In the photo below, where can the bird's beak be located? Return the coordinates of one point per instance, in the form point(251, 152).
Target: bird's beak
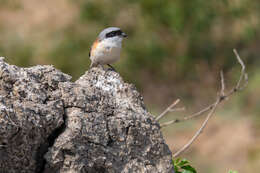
point(124, 34)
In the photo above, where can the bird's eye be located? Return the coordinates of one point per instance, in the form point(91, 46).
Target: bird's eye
point(110, 34)
point(113, 33)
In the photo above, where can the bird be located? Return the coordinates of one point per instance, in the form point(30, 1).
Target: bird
point(107, 47)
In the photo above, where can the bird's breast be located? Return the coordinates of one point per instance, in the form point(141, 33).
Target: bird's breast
point(106, 53)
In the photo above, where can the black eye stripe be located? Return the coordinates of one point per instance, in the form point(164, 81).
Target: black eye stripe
point(114, 33)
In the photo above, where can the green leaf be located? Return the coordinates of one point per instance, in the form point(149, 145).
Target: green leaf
point(186, 171)
point(176, 168)
point(183, 162)
point(189, 168)
point(177, 160)
point(182, 166)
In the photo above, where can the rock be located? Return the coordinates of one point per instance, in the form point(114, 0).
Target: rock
point(96, 124)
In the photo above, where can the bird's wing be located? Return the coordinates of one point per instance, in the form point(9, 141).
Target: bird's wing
point(93, 47)
point(89, 54)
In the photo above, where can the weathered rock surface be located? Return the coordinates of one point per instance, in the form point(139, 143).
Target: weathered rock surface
point(96, 124)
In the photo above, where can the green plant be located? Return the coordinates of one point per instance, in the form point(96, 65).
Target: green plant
point(182, 166)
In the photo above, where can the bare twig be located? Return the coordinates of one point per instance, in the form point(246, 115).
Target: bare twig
point(242, 69)
point(196, 114)
point(238, 87)
point(178, 109)
point(169, 109)
point(222, 93)
point(213, 106)
point(199, 131)
point(219, 99)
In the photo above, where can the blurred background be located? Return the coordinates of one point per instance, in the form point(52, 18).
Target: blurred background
point(175, 49)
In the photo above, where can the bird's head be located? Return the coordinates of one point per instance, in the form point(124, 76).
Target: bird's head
point(113, 34)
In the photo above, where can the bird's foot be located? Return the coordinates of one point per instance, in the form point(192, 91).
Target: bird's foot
point(111, 68)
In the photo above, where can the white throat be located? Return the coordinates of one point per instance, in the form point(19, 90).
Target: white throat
point(113, 41)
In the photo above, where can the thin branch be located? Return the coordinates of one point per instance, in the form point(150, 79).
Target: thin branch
point(213, 106)
point(169, 109)
point(210, 107)
point(242, 69)
point(186, 146)
point(178, 109)
point(196, 114)
point(196, 135)
point(222, 93)
point(223, 96)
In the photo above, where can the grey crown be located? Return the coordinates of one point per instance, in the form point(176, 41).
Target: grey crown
point(103, 33)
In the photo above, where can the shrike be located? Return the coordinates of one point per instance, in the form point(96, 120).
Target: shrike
point(106, 49)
